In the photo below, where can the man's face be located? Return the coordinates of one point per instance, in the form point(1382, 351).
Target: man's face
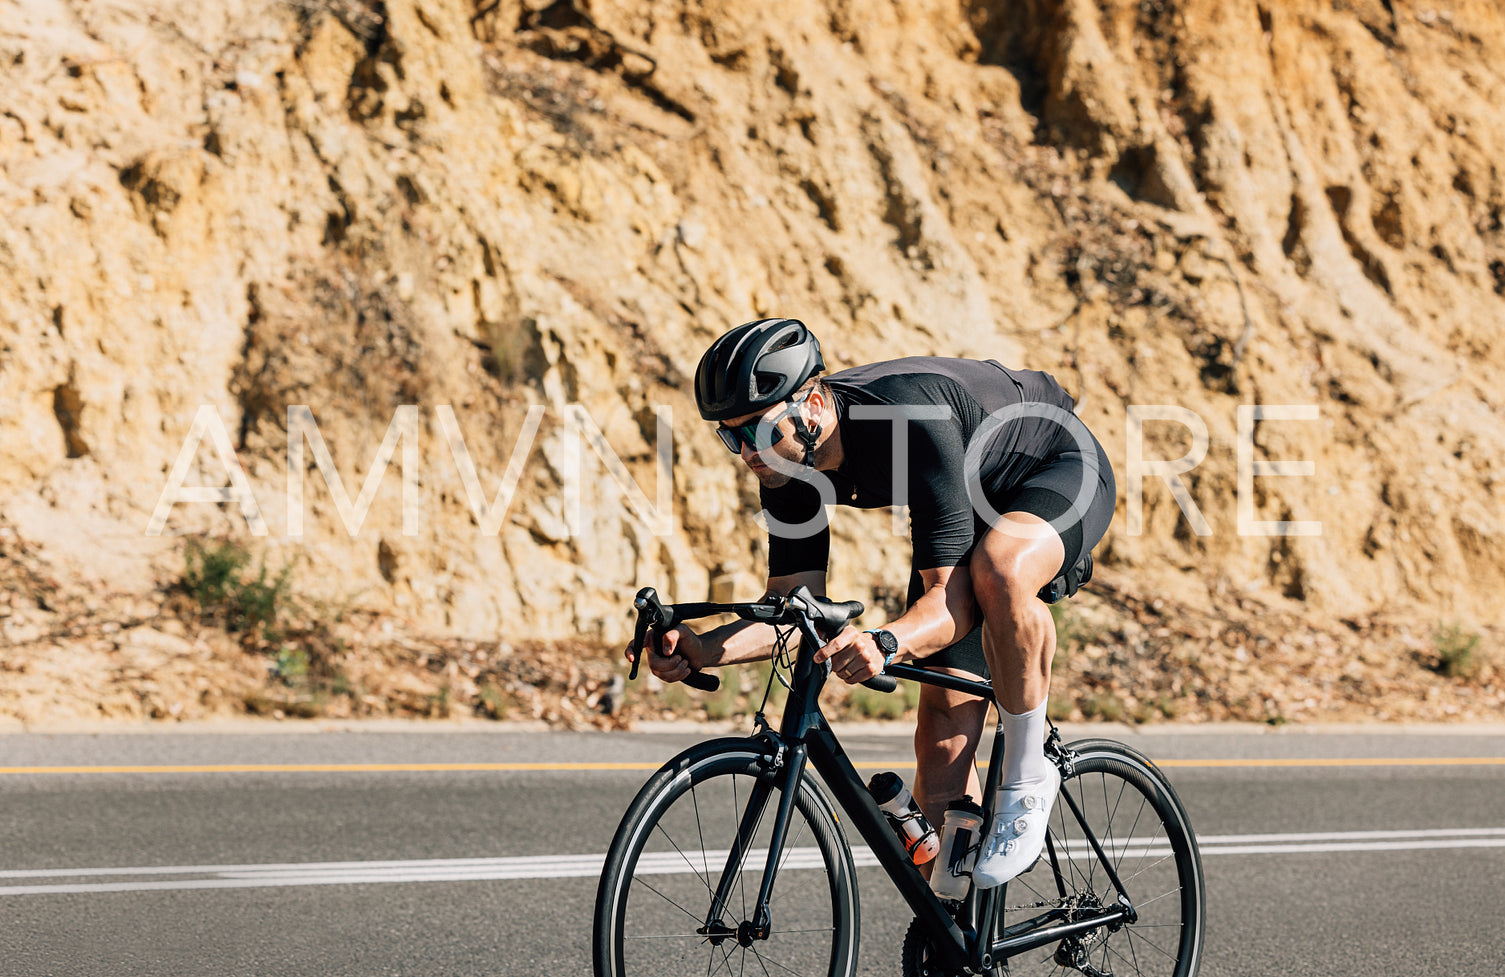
point(780, 428)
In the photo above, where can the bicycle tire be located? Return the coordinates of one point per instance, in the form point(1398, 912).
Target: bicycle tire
point(670, 849)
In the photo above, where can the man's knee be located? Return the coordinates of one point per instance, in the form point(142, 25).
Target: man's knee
point(1010, 566)
point(1001, 590)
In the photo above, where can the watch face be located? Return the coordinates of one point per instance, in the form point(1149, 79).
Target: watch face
point(887, 643)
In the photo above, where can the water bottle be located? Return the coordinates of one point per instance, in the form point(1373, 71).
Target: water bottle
point(897, 804)
point(950, 877)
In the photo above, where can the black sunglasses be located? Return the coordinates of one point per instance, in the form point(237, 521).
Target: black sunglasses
point(735, 437)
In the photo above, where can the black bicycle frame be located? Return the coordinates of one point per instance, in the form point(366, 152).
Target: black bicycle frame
point(805, 738)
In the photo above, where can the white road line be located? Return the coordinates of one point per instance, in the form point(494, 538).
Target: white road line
point(1355, 835)
point(147, 878)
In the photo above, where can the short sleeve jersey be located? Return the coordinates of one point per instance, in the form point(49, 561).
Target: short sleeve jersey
point(917, 458)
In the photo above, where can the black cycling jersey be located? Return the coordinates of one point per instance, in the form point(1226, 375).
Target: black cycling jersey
point(933, 482)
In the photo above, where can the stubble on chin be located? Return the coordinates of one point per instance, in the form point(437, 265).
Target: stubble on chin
point(769, 478)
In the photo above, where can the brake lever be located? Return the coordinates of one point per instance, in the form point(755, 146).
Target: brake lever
point(648, 606)
point(654, 615)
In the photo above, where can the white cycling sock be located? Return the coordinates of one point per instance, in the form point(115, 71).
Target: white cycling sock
point(1024, 762)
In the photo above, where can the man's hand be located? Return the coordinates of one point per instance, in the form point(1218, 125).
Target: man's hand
point(682, 654)
point(854, 656)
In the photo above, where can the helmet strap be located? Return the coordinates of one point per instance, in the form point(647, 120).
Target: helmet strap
point(807, 435)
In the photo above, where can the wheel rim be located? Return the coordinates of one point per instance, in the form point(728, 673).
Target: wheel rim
point(1144, 836)
point(682, 851)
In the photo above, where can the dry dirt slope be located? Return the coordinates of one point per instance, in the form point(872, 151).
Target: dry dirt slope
point(356, 205)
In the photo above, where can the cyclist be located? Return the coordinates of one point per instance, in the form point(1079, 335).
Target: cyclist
point(1007, 494)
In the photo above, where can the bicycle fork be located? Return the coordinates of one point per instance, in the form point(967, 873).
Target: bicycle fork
point(788, 768)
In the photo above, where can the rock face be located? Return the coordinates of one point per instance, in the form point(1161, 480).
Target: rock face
point(527, 219)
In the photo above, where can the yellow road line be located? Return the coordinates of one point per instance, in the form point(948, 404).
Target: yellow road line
point(332, 768)
point(558, 767)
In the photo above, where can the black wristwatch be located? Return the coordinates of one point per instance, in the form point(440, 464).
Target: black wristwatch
point(887, 643)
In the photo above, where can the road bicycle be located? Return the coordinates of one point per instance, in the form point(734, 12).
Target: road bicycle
point(732, 859)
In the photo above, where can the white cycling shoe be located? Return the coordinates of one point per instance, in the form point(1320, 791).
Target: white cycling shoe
point(1017, 834)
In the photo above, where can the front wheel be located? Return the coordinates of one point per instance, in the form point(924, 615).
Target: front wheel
point(675, 899)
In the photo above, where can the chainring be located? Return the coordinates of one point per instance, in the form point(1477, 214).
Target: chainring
point(915, 957)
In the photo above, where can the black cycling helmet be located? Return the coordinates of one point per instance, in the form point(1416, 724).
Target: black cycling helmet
point(754, 366)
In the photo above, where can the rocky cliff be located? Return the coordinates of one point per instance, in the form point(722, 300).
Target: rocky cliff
point(526, 219)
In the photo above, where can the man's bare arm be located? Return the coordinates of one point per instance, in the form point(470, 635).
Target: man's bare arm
point(749, 641)
point(944, 613)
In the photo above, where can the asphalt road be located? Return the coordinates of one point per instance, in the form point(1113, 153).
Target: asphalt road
point(368, 853)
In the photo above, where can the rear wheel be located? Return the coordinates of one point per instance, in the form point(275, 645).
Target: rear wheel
point(656, 911)
point(1143, 830)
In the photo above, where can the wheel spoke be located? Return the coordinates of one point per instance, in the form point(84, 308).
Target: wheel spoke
point(1108, 813)
point(700, 831)
point(1132, 953)
point(737, 819)
point(1153, 946)
point(1151, 901)
point(790, 844)
point(1065, 839)
point(1135, 827)
point(704, 879)
point(765, 960)
point(1137, 874)
point(671, 902)
point(726, 960)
